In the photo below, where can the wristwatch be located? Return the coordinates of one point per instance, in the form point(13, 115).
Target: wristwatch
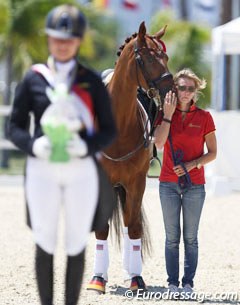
point(198, 164)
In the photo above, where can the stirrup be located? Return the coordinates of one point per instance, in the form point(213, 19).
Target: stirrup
point(98, 284)
point(159, 163)
point(137, 283)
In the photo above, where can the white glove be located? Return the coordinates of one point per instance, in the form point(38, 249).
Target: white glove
point(42, 148)
point(77, 147)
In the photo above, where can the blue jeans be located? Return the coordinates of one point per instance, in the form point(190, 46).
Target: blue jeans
point(173, 200)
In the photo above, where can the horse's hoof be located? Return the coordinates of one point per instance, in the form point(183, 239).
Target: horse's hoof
point(137, 283)
point(97, 284)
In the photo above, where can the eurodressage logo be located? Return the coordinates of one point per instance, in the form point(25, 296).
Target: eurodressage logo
point(200, 297)
point(141, 294)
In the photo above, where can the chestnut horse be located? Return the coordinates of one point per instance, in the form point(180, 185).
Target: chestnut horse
point(142, 63)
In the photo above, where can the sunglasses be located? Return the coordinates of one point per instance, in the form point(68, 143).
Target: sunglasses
point(186, 88)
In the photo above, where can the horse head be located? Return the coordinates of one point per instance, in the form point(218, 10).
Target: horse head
point(151, 60)
point(147, 62)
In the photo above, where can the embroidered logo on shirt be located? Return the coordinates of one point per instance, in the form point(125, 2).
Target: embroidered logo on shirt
point(195, 126)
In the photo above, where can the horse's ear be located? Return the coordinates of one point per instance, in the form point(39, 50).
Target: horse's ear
point(142, 32)
point(161, 33)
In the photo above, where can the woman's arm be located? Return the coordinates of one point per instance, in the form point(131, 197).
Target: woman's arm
point(211, 154)
point(18, 126)
point(211, 143)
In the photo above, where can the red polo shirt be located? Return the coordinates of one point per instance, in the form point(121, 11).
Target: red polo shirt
point(189, 136)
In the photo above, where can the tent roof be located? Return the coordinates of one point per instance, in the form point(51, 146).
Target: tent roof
point(226, 38)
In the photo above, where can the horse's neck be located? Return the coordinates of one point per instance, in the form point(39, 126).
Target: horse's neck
point(124, 100)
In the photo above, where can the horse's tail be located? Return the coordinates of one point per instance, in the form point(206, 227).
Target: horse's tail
point(146, 237)
point(117, 222)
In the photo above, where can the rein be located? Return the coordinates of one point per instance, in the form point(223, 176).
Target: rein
point(184, 181)
point(127, 156)
point(144, 143)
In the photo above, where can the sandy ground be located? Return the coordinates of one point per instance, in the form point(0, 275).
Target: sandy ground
point(219, 254)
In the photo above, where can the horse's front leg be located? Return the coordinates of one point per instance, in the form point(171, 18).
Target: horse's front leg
point(101, 262)
point(132, 255)
point(130, 244)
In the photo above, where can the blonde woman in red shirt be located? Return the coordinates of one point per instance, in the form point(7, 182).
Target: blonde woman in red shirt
point(182, 130)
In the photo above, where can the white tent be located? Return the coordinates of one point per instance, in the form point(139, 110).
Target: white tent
point(223, 174)
point(225, 41)
point(225, 170)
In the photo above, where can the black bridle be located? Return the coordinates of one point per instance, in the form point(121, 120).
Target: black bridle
point(154, 90)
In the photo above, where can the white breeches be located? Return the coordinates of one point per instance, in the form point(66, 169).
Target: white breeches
point(74, 185)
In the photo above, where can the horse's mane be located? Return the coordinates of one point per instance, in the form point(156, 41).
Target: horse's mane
point(134, 35)
point(126, 42)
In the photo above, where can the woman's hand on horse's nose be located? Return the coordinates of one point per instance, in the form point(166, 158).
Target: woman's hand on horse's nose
point(170, 103)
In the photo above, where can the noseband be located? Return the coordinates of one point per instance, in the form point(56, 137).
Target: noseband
point(154, 91)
